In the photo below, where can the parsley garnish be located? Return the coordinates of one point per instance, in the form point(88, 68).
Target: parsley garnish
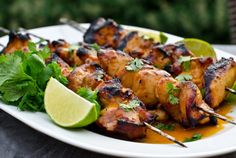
point(130, 106)
point(193, 138)
point(95, 46)
point(134, 65)
point(172, 91)
point(91, 96)
point(184, 77)
point(168, 127)
point(185, 61)
point(163, 38)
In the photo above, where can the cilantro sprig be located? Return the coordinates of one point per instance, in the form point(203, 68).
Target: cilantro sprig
point(91, 96)
point(95, 46)
point(184, 77)
point(23, 77)
point(134, 65)
point(130, 106)
point(195, 137)
point(172, 91)
point(185, 61)
point(168, 127)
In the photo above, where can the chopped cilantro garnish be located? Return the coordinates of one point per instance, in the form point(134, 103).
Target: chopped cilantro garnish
point(168, 127)
point(130, 106)
point(134, 65)
point(91, 96)
point(163, 38)
point(172, 91)
point(185, 61)
point(193, 138)
point(95, 46)
point(184, 77)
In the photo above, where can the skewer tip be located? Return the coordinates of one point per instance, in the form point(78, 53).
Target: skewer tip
point(211, 112)
point(230, 90)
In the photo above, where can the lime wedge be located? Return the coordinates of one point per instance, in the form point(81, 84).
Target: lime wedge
point(66, 108)
point(199, 47)
point(154, 36)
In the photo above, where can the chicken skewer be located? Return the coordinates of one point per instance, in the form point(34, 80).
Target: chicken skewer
point(156, 54)
point(106, 90)
point(216, 115)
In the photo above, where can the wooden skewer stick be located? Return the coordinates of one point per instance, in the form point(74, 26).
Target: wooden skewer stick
point(173, 139)
point(4, 30)
point(230, 90)
point(21, 29)
point(74, 24)
point(213, 113)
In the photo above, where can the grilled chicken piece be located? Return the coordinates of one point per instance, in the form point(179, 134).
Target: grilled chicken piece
point(86, 75)
point(87, 53)
point(65, 68)
point(164, 56)
point(17, 41)
point(104, 32)
point(136, 46)
point(217, 77)
point(113, 118)
point(150, 85)
point(197, 69)
point(64, 51)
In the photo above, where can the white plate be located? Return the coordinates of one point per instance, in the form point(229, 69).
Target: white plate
point(222, 142)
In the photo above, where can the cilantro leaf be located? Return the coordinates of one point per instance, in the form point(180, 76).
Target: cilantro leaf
point(95, 46)
point(185, 61)
point(130, 106)
point(172, 91)
point(91, 96)
point(173, 99)
point(163, 38)
point(193, 138)
point(168, 127)
point(184, 77)
point(134, 65)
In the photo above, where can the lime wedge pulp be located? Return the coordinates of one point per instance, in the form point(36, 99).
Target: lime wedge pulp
point(199, 47)
point(66, 108)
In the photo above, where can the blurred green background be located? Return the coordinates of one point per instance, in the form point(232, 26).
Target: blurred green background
point(205, 19)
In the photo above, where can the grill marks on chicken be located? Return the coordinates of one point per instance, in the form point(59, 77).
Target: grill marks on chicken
point(150, 85)
point(88, 55)
point(217, 77)
point(17, 41)
point(115, 119)
point(161, 56)
point(164, 57)
point(105, 33)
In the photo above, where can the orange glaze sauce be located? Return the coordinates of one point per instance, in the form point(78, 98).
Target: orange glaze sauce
point(181, 133)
